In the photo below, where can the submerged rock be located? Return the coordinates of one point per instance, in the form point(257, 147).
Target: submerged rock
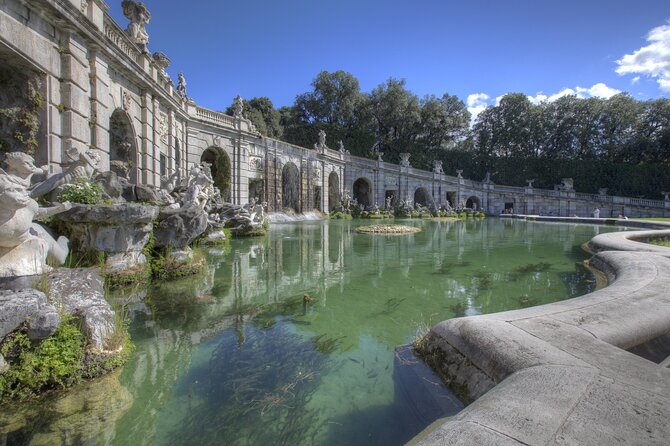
point(84, 415)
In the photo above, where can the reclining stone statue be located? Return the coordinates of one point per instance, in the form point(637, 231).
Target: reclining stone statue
point(83, 165)
point(24, 245)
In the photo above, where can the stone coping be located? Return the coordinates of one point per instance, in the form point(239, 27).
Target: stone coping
point(559, 373)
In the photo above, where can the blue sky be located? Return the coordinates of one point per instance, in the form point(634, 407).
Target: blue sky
point(477, 50)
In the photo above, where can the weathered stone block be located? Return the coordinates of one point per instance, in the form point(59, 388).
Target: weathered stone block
point(120, 230)
point(75, 126)
point(80, 292)
point(179, 227)
point(18, 306)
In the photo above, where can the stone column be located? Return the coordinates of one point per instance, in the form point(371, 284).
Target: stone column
point(243, 174)
point(75, 90)
point(102, 106)
point(270, 177)
point(146, 147)
point(170, 149)
point(305, 185)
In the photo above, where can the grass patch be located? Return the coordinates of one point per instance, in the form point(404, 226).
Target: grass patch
point(652, 218)
point(660, 242)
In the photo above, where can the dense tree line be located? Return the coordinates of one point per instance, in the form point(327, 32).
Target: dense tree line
point(619, 143)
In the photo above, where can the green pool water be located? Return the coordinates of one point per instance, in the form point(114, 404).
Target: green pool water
point(290, 339)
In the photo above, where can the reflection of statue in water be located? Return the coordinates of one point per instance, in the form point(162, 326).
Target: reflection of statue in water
point(83, 165)
point(139, 16)
point(24, 245)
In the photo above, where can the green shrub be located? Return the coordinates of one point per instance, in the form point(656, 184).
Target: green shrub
point(36, 366)
point(339, 215)
point(81, 191)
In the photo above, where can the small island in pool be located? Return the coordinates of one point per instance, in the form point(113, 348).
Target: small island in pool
point(387, 229)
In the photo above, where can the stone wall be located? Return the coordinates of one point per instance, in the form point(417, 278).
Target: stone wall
point(92, 75)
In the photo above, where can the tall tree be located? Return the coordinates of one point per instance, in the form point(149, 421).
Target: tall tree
point(261, 112)
point(444, 121)
point(396, 116)
point(334, 100)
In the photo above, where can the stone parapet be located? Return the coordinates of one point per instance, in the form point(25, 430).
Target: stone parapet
point(560, 373)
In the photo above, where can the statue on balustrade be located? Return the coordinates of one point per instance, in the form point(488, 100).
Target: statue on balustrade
point(139, 16)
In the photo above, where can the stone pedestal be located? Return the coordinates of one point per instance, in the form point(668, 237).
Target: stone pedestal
point(121, 231)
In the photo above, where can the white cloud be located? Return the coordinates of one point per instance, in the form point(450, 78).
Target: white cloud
point(599, 90)
point(652, 60)
point(635, 80)
point(477, 99)
point(560, 94)
point(537, 99)
point(477, 103)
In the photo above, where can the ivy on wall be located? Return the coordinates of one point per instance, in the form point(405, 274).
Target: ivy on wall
point(20, 105)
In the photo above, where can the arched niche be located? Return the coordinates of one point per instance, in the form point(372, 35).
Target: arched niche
point(220, 167)
point(422, 197)
point(333, 190)
point(473, 203)
point(122, 146)
point(363, 192)
point(290, 187)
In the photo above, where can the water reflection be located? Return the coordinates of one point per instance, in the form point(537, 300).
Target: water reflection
point(296, 332)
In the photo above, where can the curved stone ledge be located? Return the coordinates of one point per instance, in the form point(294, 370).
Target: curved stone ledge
point(558, 373)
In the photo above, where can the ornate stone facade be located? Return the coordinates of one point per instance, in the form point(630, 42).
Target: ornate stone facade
point(110, 94)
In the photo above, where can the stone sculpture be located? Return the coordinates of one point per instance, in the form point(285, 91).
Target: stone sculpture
point(321, 145)
point(139, 16)
point(404, 159)
point(24, 245)
point(200, 186)
point(168, 185)
point(530, 183)
point(83, 164)
point(181, 86)
point(238, 107)
point(340, 146)
point(487, 179)
point(389, 200)
point(459, 173)
point(567, 184)
point(163, 62)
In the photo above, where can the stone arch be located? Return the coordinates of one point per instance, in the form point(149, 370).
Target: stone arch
point(290, 187)
point(422, 197)
point(473, 202)
point(333, 190)
point(362, 192)
point(220, 167)
point(123, 146)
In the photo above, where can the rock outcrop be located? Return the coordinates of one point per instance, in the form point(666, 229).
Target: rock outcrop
point(120, 230)
point(19, 306)
point(81, 293)
point(177, 228)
